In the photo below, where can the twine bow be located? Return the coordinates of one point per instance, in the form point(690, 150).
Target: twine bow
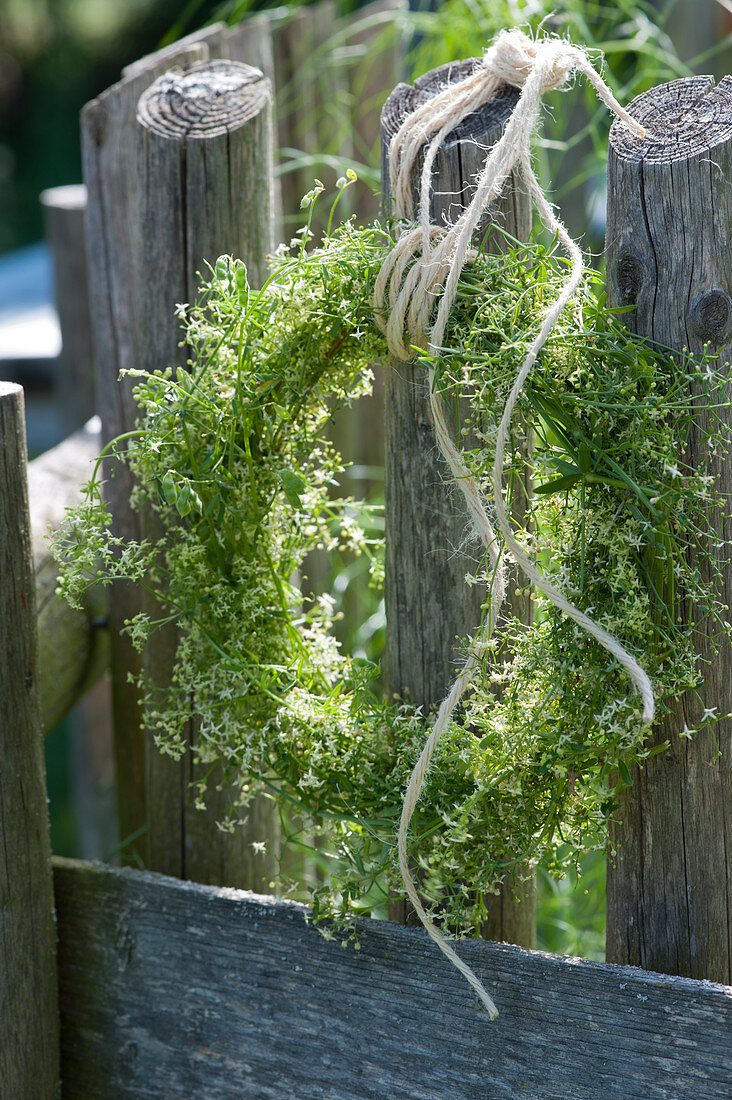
point(424, 267)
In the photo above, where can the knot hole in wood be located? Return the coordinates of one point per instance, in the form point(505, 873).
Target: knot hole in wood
point(628, 275)
point(709, 317)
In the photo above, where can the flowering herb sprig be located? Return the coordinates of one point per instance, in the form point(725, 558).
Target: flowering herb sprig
point(233, 460)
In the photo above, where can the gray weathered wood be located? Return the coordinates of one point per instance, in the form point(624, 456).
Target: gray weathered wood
point(108, 139)
point(249, 41)
point(429, 606)
point(205, 154)
point(328, 99)
point(172, 989)
point(115, 235)
point(63, 216)
point(201, 41)
point(73, 645)
point(669, 254)
point(74, 651)
point(28, 988)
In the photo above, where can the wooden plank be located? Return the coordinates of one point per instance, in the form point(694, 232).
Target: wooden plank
point(29, 1063)
point(158, 61)
point(379, 32)
point(73, 645)
point(428, 604)
point(668, 254)
point(173, 989)
point(429, 607)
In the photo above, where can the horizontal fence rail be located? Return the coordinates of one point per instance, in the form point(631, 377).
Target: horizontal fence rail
point(73, 644)
point(174, 989)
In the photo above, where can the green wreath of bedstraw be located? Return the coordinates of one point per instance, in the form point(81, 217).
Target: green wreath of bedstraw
point(232, 456)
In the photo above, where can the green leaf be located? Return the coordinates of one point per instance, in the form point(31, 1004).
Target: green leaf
point(625, 774)
point(565, 467)
point(559, 485)
point(183, 499)
point(584, 458)
point(293, 486)
point(170, 491)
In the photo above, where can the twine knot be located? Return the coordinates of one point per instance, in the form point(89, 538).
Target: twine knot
point(426, 261)
point(514, 56)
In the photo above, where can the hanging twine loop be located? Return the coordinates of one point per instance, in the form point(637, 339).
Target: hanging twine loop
point(422, 272)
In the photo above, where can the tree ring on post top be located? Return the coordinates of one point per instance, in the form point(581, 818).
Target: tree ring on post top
point(207, 99)
point(683, 119)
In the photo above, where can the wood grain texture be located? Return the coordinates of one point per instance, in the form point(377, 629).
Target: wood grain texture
point(117, 240)
point(429, 605)
point(73, 645)
point(249, 41)
point(170, 989)
point(377, 34)
point(669, 254)
point(205, 157)
point(29, 1051)
point(429, 551)
point(108, 140)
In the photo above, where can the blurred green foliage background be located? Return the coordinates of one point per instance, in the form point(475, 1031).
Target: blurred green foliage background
point(54, 56)
point(57, 54)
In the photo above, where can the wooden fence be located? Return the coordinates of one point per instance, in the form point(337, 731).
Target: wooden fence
point(174, 988)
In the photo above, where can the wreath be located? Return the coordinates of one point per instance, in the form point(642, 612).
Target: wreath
point(232, 459)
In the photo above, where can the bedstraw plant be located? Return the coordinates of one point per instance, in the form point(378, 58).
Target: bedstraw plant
point(232, 463)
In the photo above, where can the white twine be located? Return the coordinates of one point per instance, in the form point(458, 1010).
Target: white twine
point(403, 299)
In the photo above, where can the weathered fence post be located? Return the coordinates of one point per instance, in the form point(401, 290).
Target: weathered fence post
point(206, 156)
point(73, 645)
point(72, 667)
point(108, 143)
point(63, 215)
point(310, 97)
point(429, 606)
point(73, 653)
point(148, 232)
point(29, 1028)
point(669, 254)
